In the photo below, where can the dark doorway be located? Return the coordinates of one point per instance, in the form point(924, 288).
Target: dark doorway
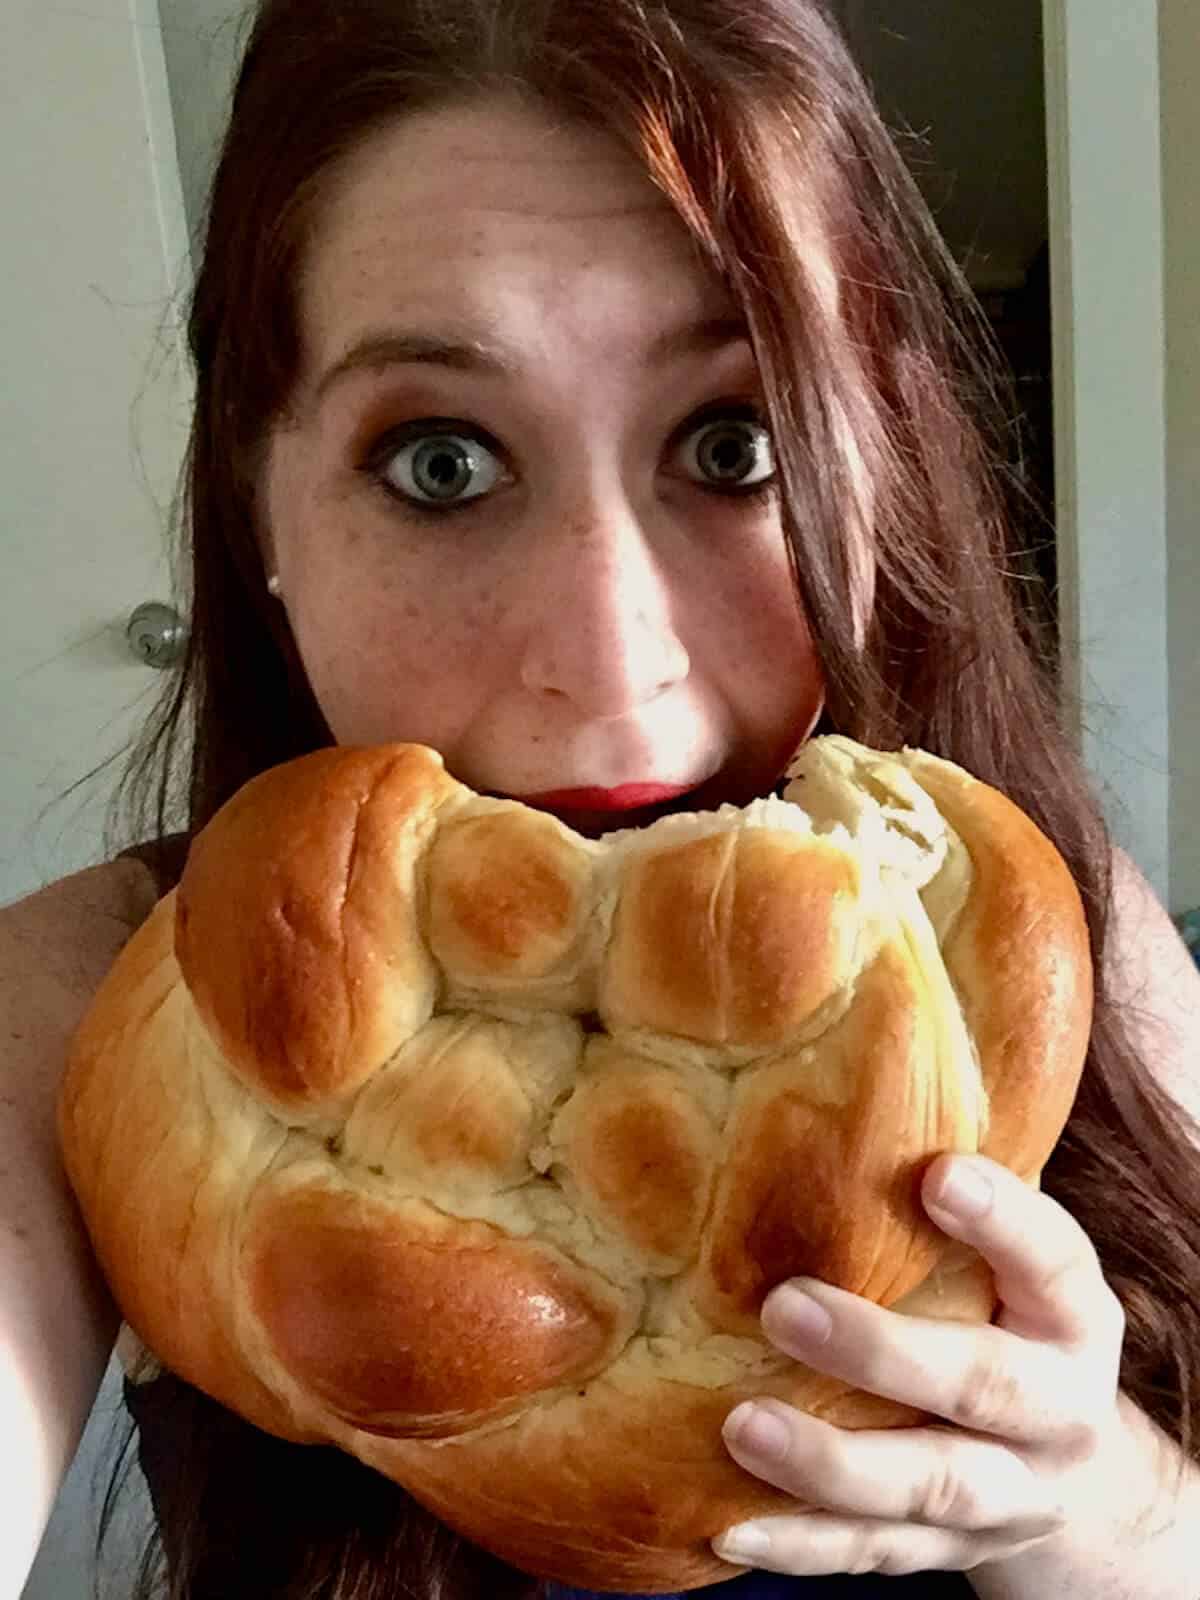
point(962, 86)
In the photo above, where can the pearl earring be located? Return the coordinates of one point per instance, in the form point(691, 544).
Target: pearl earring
point(274, 587)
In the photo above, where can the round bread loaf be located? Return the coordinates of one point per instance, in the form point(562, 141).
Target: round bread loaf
point(415, 1122)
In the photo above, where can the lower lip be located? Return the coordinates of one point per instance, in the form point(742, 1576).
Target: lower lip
point(632, 797)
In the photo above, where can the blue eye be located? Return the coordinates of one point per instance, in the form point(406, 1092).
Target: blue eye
point(437, 469)
point(732, 453)
point(438, 466)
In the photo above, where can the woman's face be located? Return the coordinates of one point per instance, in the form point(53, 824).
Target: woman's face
point(521, 507)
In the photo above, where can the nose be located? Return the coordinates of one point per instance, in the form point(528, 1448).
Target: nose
point(603, 630)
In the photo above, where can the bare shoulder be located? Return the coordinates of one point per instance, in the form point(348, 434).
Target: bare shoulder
point(57, 1320)
point(1155, 982)
point(55, 947)
point(91, 911)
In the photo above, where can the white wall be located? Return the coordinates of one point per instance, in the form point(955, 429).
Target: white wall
point(1105, 160)
point(202, 40)
point(93, 425)
point(1180, 38)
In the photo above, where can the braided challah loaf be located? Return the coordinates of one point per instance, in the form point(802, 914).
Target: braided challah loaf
point(415, 1122)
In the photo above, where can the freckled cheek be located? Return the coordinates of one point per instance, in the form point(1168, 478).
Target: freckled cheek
point(766, 657)
point(761, 618)
point(412, 661)
point(788, 672)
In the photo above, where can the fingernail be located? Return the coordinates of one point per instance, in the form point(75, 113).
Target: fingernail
point(966, 1191)
point(757, 1431)
point(799, 1317)
point(745, 1543)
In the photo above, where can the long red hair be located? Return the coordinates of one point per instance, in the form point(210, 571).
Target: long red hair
point(889, 425)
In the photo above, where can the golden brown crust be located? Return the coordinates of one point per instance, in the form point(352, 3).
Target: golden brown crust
point(768, 922)
point(642, 1153)
point(158, 1183)
point(883, 1105)
point(507, 896)
point(403, 1321)
point(648, 1453)
point(415, 1123)
point(1020, 959)
point(297, 920)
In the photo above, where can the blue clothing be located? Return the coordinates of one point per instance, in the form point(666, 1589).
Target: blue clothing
point(770, 1586)
point(1189, 926)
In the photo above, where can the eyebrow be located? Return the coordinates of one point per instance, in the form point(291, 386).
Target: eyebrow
point(378, 350)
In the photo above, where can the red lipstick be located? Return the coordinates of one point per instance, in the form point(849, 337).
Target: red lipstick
point(629, 797)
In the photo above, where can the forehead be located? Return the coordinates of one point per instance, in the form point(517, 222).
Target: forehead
point(496, 209)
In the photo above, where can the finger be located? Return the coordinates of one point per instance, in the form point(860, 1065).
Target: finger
point(817, 1544)
point(976, 1376)
point(931, 1475)
point(1047, 1272)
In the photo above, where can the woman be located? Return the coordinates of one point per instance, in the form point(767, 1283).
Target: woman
point(583, 390)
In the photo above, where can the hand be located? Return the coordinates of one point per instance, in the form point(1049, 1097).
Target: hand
point(1033, 1398)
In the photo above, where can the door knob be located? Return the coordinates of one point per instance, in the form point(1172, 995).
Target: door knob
point(157, 635)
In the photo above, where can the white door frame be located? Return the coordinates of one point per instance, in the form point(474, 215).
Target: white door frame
point(1104, 150)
